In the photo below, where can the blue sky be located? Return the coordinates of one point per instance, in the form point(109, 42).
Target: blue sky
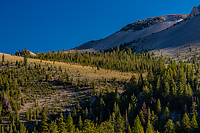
point(47, 25)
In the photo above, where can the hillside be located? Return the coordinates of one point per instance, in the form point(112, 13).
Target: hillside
point(168, 32)
point(133, 32)
point(181, 39)
point(118, 90)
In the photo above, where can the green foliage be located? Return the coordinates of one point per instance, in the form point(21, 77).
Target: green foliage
point(70, 124)
point(185, 123)
point(137, 126)
point(110, 59)
point(160, 85)
point(169, 127)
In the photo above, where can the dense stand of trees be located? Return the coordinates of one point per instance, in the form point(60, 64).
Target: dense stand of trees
point(165, 100)
point(115, 59)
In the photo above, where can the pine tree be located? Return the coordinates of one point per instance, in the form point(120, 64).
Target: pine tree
point(169, 127)
point(2, 129)
point(146, 94)
point(44, 125)
point(61, 124)
point(126, 121)
point(80, 123)
point(69, 124)
point(10, 129)
point(106, 127)
point(193, 108)
point(142, 118)
point(25, 61)
point(3, 59)
point(158, 107)
point(150, 128)
point(150, 76)
point(178, 126)
point(53, 128)
point(185, 123)
point(194, 124)
point(88, 126)
point(119, 123)
point(157, 87)
point(22, 128)
point(166, 114)
point(166, 90)
point(137, 126)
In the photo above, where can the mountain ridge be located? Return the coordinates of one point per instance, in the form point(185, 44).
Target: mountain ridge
point(140, 34)
point(129, 34)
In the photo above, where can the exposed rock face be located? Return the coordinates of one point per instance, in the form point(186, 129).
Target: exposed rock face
point(195, 12)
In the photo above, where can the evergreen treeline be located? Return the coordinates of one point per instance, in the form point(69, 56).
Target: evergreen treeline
point(114, 59)
point(165, 100)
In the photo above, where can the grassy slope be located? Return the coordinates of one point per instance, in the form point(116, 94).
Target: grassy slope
point(75, 71)
point(85, 72)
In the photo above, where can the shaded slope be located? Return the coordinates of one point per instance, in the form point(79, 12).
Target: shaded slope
point(174, 38)
point(131, 34)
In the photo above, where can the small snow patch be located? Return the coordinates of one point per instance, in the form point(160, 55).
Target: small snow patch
point(179, 20)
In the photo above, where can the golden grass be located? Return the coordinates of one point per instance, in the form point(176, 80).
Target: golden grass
point(78, 70)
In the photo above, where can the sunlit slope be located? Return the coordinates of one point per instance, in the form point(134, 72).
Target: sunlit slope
point(130, 34)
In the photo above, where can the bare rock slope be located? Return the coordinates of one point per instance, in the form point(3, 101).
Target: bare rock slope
point(133, 32)
point(169, 32)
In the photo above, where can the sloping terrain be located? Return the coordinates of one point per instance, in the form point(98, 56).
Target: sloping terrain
point(182, 38)
point(134, 32)
point(171, 35)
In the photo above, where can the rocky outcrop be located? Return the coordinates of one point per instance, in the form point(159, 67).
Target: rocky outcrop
point(195, 12)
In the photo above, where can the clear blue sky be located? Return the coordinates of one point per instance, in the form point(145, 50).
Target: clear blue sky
point(47, 25)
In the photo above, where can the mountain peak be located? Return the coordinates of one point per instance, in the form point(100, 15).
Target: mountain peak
point(195, 12)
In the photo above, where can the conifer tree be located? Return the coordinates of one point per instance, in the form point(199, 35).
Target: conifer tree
point(149, 128)
point(80, 123)
point(158, 107)
point(193, 108)
point(178, 126)
point(166, 114)
point(157, 87)
point(10, 129)
point(146, 94)
point(142, 118)
point(169, 127)
point(126, 121)
point(25, 61)
point(119, 123)
point(194, 124)
point(53, 128)
point(44, 125)
point(61, 124)
point(185, 123)
point(137, 126)
point(150, 76)
point(106, 127)
point(3, 59)
point(22, 128)
point(70, 124)
point(88, 126)
point(2, 129)
point(166, 90)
